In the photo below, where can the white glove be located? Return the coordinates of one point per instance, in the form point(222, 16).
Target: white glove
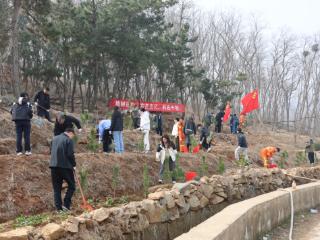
point(48, 110)
point(74, 169)
point(36, 103)
point(80, 130)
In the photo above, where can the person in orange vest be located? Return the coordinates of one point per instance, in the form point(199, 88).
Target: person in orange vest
point(267, 154)
point(242, 120)
point(181, 135)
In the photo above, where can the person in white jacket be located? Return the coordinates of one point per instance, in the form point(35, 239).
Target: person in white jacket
point(145, 128)
point(175, 132)
point(166, 149)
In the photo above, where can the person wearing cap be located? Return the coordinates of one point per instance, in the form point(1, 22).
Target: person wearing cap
point(242, 148)
point(62, 165)
point(310, 151)
point(42, 101)
point(22, 114)
point(63, 122)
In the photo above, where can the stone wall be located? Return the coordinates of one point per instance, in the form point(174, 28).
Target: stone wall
point(167, 213)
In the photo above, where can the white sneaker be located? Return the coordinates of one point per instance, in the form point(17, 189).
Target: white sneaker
point(19, 153)
point(160, 181)
point(174, 182)
point(28, 153)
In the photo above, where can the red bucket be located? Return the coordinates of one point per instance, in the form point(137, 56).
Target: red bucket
point(272, 165)
point(189, 176)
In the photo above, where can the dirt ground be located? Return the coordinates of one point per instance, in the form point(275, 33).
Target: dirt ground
point(25, 185)
point(306, 227)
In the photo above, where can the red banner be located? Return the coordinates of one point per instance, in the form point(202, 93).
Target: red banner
point(149, 106)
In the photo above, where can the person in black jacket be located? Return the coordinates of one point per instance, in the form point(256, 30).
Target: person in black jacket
point(117, 128)
point(219, 118)
point(159, 123)
point(189, 130)
point(62, 165)
point(21, 115)
point(63, 122)
point(42, 101)
point(242, 148)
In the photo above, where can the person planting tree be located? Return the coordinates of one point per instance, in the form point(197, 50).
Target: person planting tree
point(62, 165)
point(267, 154)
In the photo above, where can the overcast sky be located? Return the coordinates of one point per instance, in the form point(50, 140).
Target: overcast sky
point(301, 17)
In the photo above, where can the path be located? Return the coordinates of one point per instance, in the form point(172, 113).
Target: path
point(306, 227)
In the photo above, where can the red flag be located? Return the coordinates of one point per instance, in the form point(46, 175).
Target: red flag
point(250, 102)
point(227, 112)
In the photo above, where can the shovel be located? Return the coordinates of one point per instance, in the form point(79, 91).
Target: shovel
point(85, 206)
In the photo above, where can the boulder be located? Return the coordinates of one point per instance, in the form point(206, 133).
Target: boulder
point(194, 203)
point(100, 214)
point(216, 200)
point(204, 202)
point(169, 200)
point(181, 202)
point(140, 224)
point(17, 234)
point(71, 225)
point(156, 195)
point(52, 231)
point(206, 189)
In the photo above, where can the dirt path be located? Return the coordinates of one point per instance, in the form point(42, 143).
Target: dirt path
point(306, 227)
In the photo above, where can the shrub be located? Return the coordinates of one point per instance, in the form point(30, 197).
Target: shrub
point(109, 202)
point(284, 156)
point(93, 144)
point(146, 179)
point(300, 158)
point(83, 175)
point(115, 179)
point(85, 118)
point(23, 221)
point(179, 173)
point(242, 162)
point(203, 168)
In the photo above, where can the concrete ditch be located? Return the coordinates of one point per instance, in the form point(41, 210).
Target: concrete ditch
point(167, 213)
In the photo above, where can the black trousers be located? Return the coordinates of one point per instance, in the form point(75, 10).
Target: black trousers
point(311, 157)
point(43, 113)
point(159, 130)
point(106, 140)
point(23, 127)
point(57, 177)
point(218, 127)
point(135, 122)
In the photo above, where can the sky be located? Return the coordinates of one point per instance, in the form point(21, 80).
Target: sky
point(301, 17)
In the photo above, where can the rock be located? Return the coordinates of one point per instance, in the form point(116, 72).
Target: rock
point(194, 203)
point(52, 231)
point(204, 180)
point(186, 193)
point(154, 212)
point(173, 214)
point(181, 202)
point(71, 224)
point(207, 190)
point(100, 214)
point(170, 201)
point(17, 234)
point(204, 202)
point(216, 200)
point(147, 205)
point(156, 195)
point(141, 223)
point(222, 194)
